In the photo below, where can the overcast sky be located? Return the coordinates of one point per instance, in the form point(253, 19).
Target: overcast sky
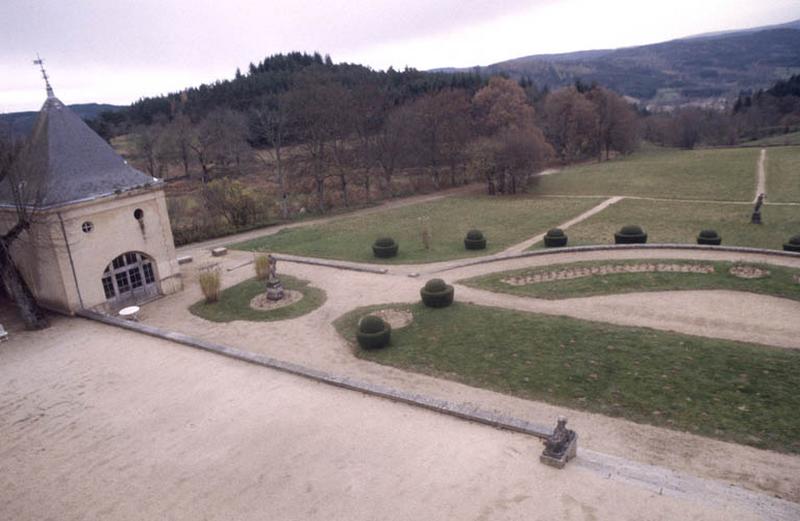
point(115, 51)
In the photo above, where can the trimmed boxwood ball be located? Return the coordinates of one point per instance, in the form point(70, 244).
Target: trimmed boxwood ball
point(554, 238)
point(437, 294)
point(373, 332)
point(630, 234)
point(793, 244)
point(384, 247)
point(475, 240)
point(709, 237)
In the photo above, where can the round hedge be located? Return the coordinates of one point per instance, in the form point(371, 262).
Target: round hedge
point(373, 332)
point(793, 244)
point(475, 240)
point(554, 238)
point(630, 234)
point(709, 237)
point(437, 294)
point(384, 247)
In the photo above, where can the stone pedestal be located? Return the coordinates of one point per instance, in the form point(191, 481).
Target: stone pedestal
point(559, 460)
point(274, 289)
point(561, 446)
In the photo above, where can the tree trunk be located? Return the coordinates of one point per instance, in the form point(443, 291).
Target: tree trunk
point(29, 310)
point(282, 184)
point(343, 184)
point(320, 181)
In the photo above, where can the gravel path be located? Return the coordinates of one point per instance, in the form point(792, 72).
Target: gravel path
point(99, 423)
point(312, 341)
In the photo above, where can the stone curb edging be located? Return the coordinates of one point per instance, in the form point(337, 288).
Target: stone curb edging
point(464, 411)
point(342, 265)
point(614, 247)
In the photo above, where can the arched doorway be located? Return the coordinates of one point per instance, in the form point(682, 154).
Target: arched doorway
point(130, 279)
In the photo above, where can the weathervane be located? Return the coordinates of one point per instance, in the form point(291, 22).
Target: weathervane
point(40, 62)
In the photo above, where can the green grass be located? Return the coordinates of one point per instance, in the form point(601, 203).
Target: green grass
point(779, 283)
point(503, 220)
point(234, 302)
point(722, 389)
point(792, 138)
point(680, 222)
point(724, 174)
point(783, 175)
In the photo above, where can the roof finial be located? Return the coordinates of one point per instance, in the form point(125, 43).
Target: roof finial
point(40, 62)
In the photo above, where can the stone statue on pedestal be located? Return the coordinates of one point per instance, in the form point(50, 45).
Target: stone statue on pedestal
point(756, 218)
point(274, 286)
point(561, 446)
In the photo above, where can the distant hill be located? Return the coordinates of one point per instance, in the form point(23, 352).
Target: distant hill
point(707, 68)
point(22, 122)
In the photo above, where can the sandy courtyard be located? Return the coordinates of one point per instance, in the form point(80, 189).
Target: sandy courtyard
point(99, 423)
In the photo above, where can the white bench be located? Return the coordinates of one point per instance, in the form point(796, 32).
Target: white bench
point(129, 313)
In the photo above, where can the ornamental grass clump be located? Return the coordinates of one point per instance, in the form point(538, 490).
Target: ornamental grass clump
point(373, 332)
point(554, 238)
point(475, 240)
point(793, 244)
point(210, 280)
point(437, 294)
point(630, 234)
point(261, 263)
point(384, 248)
point(709, 237)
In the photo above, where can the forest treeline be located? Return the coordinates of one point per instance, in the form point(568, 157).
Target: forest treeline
point(328, 134)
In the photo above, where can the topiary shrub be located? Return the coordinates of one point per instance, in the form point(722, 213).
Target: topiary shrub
point(384, 248)
point(709, 237)
point(475, 240)
point(554, 238)
point(630, 234)
point(793, 244)
point(373, 332)
point(437, 294)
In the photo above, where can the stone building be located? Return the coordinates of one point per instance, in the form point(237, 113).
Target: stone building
point(100, 236)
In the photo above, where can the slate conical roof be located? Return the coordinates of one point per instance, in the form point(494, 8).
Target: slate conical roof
point(66, 162)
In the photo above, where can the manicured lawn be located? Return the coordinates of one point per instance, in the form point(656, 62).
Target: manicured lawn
point(783, 175)
point(779, 282)
point(503, 220)
point(724, 174)
point(722, 389)
point(680, 222)
point(234, 302)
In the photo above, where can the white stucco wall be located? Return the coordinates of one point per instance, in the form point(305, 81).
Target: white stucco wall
point(46, 262)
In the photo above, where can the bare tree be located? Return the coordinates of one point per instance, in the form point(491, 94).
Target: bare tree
point(314, 123)
point(14, 163)
point(150, 143)
point(570, 123)
point(392, 141)
point(617, 127)
point(508, 158)
point(219, 142)
point(177, 141)
point(271, 124)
